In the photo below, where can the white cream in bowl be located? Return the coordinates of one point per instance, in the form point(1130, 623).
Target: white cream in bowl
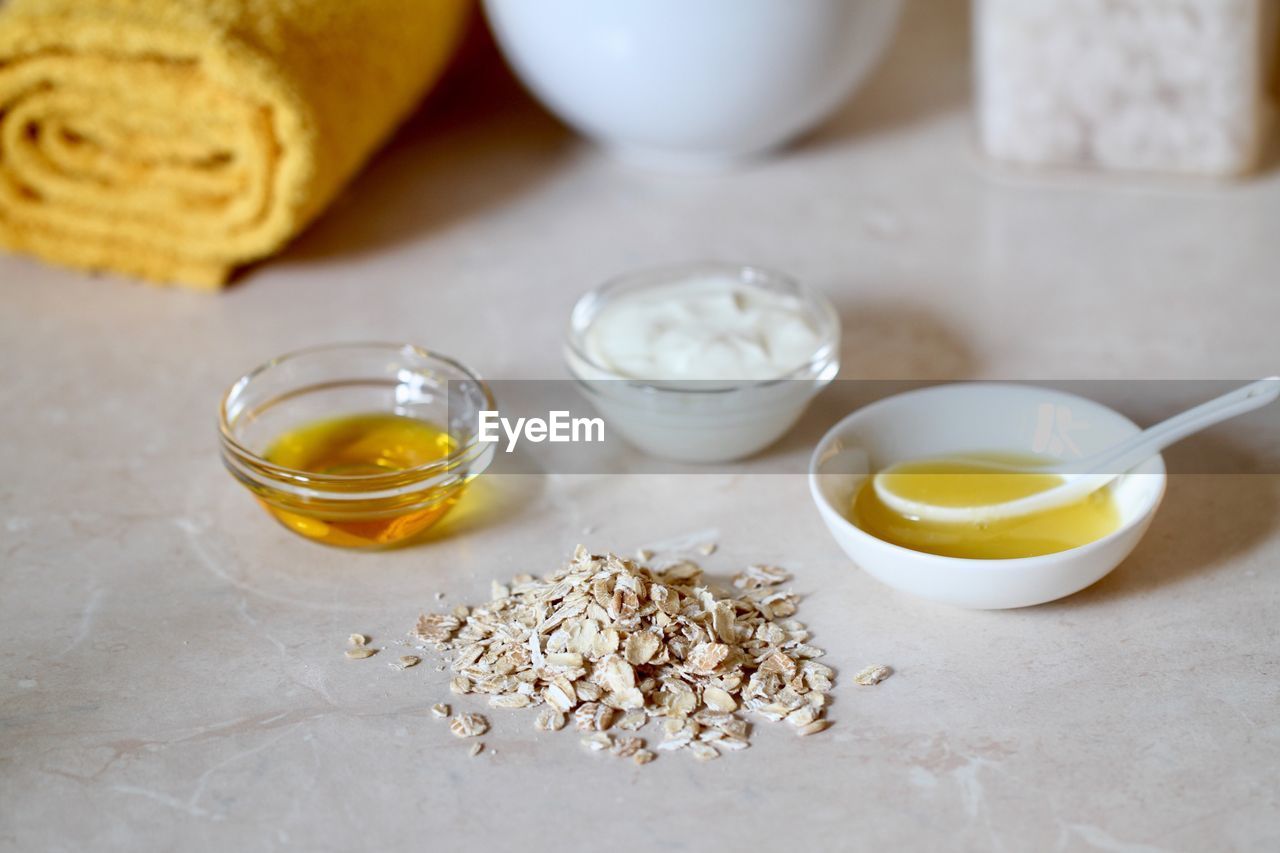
point(702, 362)
point(706, 327)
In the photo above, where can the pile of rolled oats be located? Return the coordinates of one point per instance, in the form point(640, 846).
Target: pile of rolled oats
point(612, 644)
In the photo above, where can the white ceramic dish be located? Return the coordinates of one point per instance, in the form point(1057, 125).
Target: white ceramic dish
point(966, 417)
point(681, 84)
point(696, 420)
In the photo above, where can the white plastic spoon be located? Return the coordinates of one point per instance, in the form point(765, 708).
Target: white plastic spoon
point(1085, 476)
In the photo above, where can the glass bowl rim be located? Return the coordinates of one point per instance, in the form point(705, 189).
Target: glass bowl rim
point(826, 354)
point(463, 455)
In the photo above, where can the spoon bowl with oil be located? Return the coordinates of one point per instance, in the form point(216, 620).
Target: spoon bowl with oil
point(969, 490)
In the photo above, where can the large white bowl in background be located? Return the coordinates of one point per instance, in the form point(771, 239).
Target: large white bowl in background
point(689, 83)
point(967, 417)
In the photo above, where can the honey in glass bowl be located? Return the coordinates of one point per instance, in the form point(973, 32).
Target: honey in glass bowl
point(357, 445)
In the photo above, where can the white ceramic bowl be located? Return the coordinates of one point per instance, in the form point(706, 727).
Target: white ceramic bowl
point(692, 83)
point(702, 420)
point(967, 417)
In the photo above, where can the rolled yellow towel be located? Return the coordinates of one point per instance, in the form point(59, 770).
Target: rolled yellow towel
point(179, 139)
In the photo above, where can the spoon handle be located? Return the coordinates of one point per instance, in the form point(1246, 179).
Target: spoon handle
point(1152, 440)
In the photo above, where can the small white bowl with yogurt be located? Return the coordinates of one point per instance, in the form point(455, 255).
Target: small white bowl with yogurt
point(703, 362)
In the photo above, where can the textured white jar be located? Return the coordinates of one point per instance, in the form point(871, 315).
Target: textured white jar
point(1158, 85)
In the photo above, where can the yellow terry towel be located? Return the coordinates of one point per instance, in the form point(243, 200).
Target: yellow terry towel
point(178, 139)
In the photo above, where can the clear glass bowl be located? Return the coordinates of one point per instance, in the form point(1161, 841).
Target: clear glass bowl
point(698, 420)
point(355, 510)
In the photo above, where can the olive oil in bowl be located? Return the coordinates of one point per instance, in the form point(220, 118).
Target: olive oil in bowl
point(366, 448)
point(356, 445)
point(959, 483)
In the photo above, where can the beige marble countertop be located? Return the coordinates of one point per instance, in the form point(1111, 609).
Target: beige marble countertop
point(172, 676)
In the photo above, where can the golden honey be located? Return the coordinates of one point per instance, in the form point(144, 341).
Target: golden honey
point(362, 447)
point(960, 483)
